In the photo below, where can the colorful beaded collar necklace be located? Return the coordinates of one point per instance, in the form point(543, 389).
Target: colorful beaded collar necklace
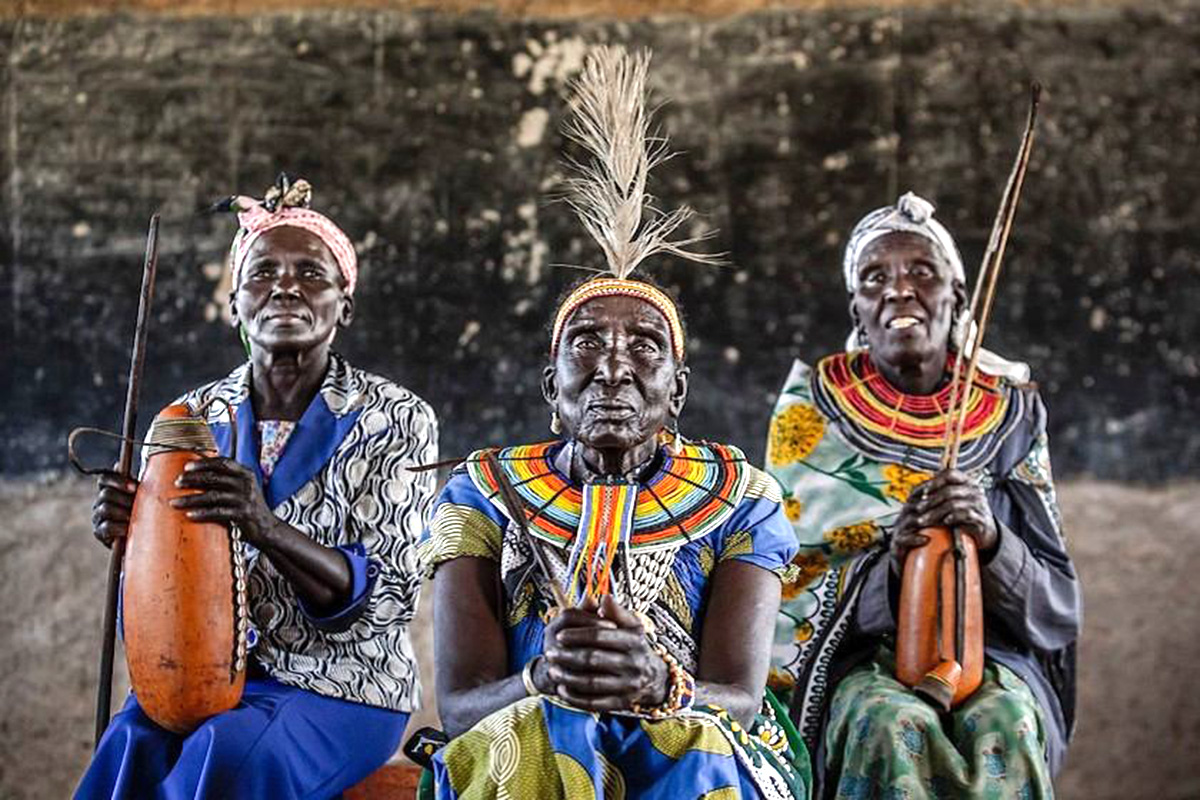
point(863, 395)
point(691, 495)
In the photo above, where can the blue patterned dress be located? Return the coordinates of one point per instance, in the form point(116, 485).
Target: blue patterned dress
point(702, 507)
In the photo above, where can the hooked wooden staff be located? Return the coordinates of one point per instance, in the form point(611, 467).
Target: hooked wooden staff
point(945, 570)
point(125, 468)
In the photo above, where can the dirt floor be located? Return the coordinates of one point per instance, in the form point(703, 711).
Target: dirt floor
point(1137, 551)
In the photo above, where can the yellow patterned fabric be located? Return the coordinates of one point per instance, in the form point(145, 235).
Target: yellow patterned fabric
point(540, 748)
point(459, 531)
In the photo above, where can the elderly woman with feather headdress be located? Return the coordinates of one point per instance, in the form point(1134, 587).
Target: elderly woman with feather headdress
point(604, 602)
point(856, 443)
point(329, 514)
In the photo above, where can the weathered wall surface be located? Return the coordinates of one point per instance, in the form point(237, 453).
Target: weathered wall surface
point(433, 138)
point(1136, 550)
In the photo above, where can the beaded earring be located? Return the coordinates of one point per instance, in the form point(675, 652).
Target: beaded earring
point(671, 439)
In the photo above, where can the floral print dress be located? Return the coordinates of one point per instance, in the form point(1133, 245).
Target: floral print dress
point(848, 449)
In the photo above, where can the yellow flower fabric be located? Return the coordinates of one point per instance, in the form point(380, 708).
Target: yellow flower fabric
point(850, 538)
point(795, 433)
point(793, 508)
point(805, 568)
point(901, 481)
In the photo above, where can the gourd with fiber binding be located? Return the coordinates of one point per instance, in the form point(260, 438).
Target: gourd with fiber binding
point(184, 592)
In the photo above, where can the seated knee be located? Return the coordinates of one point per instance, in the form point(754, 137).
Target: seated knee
point(1004, 712)
point(894, 722)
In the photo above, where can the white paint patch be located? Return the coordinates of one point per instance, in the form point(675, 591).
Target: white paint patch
point(217, 307)
point(554, 61)
point(836, 162)
point(469, 332)
point(532, 127)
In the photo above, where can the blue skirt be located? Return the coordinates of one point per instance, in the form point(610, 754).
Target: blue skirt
point(279, 742)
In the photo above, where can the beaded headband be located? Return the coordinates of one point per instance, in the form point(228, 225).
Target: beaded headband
point(622, 287)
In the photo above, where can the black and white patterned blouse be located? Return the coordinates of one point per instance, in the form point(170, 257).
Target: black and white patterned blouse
point(343, 480)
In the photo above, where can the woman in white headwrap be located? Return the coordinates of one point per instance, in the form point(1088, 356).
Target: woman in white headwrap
point(856, 444)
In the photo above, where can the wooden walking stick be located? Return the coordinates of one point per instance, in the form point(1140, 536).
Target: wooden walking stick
point(125, 468)
point(941, 598)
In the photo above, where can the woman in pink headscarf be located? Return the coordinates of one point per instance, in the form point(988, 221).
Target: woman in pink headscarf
point(321, 491)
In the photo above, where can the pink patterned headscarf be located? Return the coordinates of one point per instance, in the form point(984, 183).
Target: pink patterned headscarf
point(286, 203)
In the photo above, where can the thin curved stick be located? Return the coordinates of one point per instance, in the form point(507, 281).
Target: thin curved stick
point(990, 271)
point(125, 467)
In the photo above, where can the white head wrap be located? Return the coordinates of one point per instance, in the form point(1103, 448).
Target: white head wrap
point(914, 214)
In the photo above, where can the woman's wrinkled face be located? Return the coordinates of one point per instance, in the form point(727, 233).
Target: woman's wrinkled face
point(290, 294)
point(906, 298)
point(615, 381)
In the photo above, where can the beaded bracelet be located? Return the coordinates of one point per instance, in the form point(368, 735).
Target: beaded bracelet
point(681, 690)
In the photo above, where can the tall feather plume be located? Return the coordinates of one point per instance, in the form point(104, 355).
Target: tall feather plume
point(608, 193)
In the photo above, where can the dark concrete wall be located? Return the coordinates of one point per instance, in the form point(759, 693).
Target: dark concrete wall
point(433, 139)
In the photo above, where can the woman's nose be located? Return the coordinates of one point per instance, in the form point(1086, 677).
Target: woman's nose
point(614, 367)
point(899, 288)
point(286, 283)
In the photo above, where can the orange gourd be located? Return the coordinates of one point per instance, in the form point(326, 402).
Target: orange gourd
point(184, 591)
point(939, 629)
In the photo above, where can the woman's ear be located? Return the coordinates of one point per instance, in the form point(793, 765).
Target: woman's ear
point(550, 386)
point(233, 314)
point(346, 311)
point(679, 395)
point(960, 299)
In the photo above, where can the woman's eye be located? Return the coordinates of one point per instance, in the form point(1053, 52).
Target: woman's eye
point(645, 348)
